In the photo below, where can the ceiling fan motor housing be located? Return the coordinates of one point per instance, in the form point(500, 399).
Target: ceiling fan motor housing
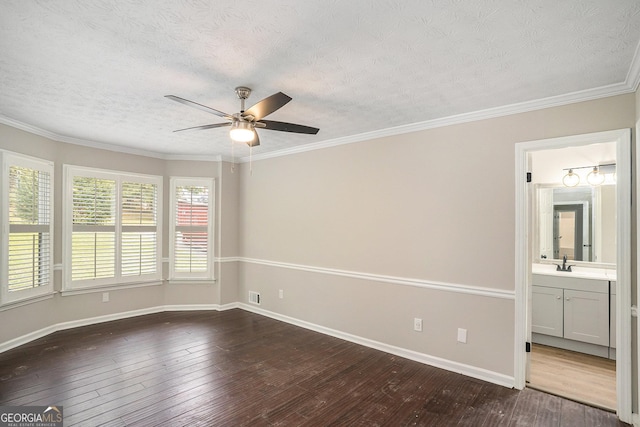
point(243, 92)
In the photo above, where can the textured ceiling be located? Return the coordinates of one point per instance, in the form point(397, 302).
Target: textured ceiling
point(96, 72)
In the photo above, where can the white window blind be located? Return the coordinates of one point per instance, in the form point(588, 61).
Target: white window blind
point(93, 243)
point(139, 228)
point(191, 228)
point(29, 223)
point(26, 266)
point(115, 237)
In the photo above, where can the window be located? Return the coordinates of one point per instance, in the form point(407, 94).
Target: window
point(111, 228)
point(26, 261)
point(191, 228)
point(139, 228)
point(93, 240)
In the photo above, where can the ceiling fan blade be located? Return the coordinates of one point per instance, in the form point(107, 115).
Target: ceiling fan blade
point(211, 126)
point(289, 127)
point(199, 106)
point(267, 106)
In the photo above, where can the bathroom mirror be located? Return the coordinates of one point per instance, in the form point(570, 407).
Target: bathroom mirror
point(579, 222)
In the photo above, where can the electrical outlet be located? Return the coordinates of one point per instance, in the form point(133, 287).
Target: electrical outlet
point(105, 297)
point(281, 293)
point(417, 324)
point(462, 335)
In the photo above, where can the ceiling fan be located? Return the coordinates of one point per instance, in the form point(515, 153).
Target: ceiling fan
point(244, 124)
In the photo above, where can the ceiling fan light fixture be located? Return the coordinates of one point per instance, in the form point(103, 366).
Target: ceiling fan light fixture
point(241, 131)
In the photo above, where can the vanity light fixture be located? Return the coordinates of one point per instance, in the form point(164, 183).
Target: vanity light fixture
point(571, 179)
point(595, 177)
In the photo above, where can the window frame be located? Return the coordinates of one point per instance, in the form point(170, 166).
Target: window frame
point(69, 173)
point(208, 275)
point(8, 159)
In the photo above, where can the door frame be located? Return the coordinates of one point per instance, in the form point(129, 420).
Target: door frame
point(524, 249)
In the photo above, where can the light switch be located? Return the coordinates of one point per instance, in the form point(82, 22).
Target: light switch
point(462, 335)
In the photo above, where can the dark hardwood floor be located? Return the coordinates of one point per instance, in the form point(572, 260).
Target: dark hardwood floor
point(238, 368)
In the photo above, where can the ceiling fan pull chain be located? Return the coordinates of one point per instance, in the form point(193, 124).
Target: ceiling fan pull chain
point(251, 160)
point(233, 157)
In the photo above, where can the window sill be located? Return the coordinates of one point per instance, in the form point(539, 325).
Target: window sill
point(107, 288)
point(26, 301)
point(191, 281)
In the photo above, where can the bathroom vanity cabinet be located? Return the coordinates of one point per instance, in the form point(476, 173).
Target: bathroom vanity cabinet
point(572, 313)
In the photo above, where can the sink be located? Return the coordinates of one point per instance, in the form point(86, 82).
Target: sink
point(576, 271)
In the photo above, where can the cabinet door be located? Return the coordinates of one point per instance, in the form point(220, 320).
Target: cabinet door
point(546, 316)
point(586, 317)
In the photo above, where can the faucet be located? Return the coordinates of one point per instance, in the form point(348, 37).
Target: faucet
point(564, 265)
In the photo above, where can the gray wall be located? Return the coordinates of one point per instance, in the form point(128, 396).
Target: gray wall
point(361, 238)
point(417, 221)
point(635, 292)
point(38, 316)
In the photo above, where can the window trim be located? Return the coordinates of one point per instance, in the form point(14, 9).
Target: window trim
point(8, 159)
point(69, 173)
point(207, 277)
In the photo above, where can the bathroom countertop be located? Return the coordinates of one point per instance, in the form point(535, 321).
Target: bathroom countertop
point(577, 271)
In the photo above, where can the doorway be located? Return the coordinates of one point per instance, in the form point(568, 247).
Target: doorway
point(528, 250)
point(575, 375)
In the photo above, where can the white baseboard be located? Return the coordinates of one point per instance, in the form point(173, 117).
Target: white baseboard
point(191, 307)
point(230, 306)
point(470, 371)
point(107, 318)
point(25, 339)
point(449, 365)
point(32, 336)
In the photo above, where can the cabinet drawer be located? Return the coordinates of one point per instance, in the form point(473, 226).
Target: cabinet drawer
point(569, 282)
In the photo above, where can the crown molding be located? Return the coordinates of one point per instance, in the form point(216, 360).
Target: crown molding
point(77, 141)
point(629, 86)
point(195, 158)
point(104, 146)
point(633, 76)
